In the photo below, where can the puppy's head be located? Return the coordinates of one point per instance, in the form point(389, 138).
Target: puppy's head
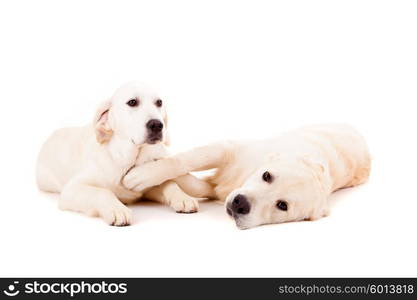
point(282, 190)
point(136, 113)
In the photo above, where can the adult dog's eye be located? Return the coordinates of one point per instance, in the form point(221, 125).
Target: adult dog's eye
point(282, 205)
point(158, 102)
point(267, 177)
point(132, 102)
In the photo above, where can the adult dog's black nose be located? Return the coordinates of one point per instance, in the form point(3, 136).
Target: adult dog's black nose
point(154, 126)
point(240, 205)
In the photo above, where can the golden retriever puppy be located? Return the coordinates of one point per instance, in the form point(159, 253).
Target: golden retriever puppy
point(283, 179)
point(86, 164)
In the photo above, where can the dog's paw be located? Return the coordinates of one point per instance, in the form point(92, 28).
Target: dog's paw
point(185, 205)
point(138, 179)
point(117, 215)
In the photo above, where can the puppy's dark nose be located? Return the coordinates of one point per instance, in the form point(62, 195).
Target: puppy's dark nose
point(154, 126)
point(240, 205)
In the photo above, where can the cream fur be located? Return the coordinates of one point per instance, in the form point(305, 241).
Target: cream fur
point(308, 164)
point(86, 164)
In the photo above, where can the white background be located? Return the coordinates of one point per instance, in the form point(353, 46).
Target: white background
point(226, 70)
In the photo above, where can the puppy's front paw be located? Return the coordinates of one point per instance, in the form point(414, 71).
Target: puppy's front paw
point(116, 215)
point(184, 205)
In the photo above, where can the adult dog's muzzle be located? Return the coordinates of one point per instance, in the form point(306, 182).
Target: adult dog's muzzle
point(238, 207)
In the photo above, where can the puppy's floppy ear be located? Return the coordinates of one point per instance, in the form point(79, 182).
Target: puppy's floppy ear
point(100, 123)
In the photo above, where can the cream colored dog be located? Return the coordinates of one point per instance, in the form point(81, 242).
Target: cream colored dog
point(288, 178)
point(86, 164)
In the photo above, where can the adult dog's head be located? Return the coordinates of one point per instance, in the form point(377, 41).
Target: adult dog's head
point(282, 190)
point(134, 113)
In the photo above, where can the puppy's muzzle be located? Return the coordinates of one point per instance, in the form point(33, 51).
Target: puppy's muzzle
point(154, 128)
point(239, 206)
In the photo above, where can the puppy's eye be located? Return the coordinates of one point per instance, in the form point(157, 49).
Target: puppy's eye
point(282, 205)
point(158, 102)
point(132, 102)
point(267, 177)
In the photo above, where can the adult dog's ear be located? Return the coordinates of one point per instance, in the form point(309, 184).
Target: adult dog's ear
point(321, 174)
point(313, 163)
point(321, 211)
point(323, 186)
point(101, 125)
point(273, 156)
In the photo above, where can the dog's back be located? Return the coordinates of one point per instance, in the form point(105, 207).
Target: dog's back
point(61, 157)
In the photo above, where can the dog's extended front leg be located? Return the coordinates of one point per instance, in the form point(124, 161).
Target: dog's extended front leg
point(95, 201)
point(195, 187)
point(171, 194)
point(156, 172)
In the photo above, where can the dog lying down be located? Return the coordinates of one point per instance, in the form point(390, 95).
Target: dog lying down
point(86, 164)
point(284, 179)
